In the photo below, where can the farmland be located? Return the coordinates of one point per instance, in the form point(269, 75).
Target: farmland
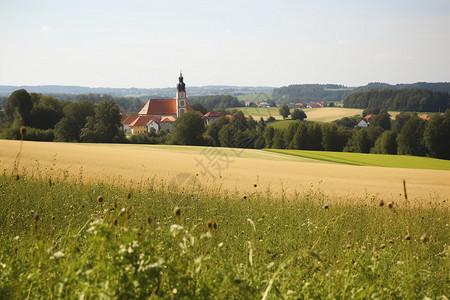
point(326, 114)
point(131, 221)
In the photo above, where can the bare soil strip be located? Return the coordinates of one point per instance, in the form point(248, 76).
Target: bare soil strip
point(230, 171)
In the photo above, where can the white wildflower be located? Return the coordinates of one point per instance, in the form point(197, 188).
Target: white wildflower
point(175, 229)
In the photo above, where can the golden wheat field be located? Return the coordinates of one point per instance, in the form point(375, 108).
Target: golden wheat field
point(222, 170)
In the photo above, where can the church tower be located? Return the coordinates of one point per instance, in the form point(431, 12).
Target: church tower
point(181, 96)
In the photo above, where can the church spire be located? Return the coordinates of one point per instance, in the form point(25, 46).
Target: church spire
point(181, 87)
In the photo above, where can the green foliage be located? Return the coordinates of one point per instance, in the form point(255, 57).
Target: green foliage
point(298, 114)
point(133, 245)
point(219, 102)
point(359, 142)
point(75, 117)
point(239, 133)
point(382, 119)
point(310, 92)
point(212, 130)
point(386, 143)
point(103, 127)
point(197, 106)
point(437, 135)
point(19, 101)
point(284, 111)
point(410, 140)
point(349, 122)
point(188, 129)
point(399, 100)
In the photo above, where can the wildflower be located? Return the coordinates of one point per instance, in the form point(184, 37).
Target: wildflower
point(245, 197)
point(381, 203)
point(149, 220)
point(407, 237)
point(175, 229)
point(255, 185)
point(58, 254)
point(382, 246)
point(391, 204)
point(129, 195)
point(100, 199)
point(325, 207)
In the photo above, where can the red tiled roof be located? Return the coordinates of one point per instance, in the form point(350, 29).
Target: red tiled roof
point(368, 117)
point(167, 119)
point(144, 121)
point(198, 113)
point(159, 107)
point(425, 117)
point(214, 114)
point(128, 119)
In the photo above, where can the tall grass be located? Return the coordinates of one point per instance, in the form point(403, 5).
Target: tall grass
point(61, 239)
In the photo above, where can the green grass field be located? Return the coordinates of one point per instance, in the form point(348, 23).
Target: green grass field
point(65, 240)
point(255, 96)
point(376, 160)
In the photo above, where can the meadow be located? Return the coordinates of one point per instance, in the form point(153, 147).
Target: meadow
point(74, 223)
point(365, 159)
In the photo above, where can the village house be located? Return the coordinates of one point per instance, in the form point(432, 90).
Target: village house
point(366, 120)
point(159, 114)
point(212, 116)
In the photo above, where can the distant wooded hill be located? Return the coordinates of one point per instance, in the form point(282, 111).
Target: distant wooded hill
point(335, 93)
point(6, 90)
point(399, 100)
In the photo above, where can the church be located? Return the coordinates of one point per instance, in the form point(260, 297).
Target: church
point(158, 113)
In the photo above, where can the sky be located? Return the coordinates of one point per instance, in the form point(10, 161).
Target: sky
point(145, 43)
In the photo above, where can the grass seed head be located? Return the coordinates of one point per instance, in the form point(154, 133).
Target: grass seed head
point(177, 211)
point(23, 130)
point(381, 203)
point(407, 237)
point(100, 199)
point(391, 204)
point(424, 238)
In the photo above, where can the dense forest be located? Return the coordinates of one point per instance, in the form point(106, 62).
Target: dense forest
point(216, 102)
point(400, 100)
point(310, 92)
point(336, 93)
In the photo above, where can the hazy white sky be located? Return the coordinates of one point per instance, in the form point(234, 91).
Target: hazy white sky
point(145, 43)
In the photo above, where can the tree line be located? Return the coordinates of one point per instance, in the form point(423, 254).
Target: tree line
point(408, 134)
point(50, 119)
point(400, 100)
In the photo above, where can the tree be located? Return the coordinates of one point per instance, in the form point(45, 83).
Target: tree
point(188, 129)
point(75, 117)
point(383, 119)
point(437, 135)
point(104, 126)
point(410, 140)
point(386, 143)
point(19, 101)
point(199, 107)
point(298, 114)
point(359, 142)
point(401, 120)
point(278, 139)
point(268, 134)
point(212, 130)
point(332, 138)
point(284, 111)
